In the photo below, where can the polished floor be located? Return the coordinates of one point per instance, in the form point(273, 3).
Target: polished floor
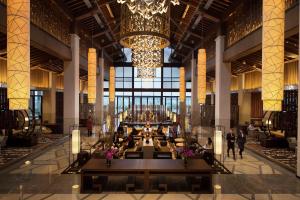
point(253, 178)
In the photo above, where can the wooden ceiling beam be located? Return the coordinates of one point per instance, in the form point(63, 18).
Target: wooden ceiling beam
point(99, 34)
point(208, 16)
point(90, 13)
point(109, 45)
point(189, 21)
point(106, 22)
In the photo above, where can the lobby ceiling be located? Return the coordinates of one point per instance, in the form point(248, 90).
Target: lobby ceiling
point(190, 22)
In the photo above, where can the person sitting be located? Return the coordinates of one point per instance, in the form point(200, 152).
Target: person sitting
point(208, 145)
point(208, 152)
point(130, 141)
point(251, 127)
point(134, 131)
point(173, 133)
point(160, 130)
point(120, 129)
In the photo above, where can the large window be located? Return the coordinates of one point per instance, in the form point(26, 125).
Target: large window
point(132, 91)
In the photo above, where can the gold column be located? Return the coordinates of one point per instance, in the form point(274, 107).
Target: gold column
point(92, 63)
point(182, 97)
point(111, 109)
point(112, 84)
point(18, 54)
point(273, 54)
point(182, 88)
point(201, 76)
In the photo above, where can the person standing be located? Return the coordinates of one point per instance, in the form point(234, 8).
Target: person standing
point(230, 137)
point(89, 125)
point(241, 140)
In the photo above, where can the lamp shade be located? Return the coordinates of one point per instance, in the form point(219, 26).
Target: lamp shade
point(182, 88)
point(75, 141)
point(201, 76)
point(92, 64)
point(18, 54)
point(112, 84)
point(273, 54)
point(218, 142)
point(174, 117)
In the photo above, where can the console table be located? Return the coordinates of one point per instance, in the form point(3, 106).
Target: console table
point(145, 168)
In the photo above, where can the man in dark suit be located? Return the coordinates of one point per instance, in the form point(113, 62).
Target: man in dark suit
point(230, 137)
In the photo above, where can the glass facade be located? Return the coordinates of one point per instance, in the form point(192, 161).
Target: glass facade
point(131, 90)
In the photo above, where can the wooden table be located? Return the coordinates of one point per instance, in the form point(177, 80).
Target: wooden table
point(144, 167)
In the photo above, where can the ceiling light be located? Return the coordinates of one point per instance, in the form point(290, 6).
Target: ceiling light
point(148, 8)
point(150, 59)
point(138, 32)
point(146, 73)
point(92, 67)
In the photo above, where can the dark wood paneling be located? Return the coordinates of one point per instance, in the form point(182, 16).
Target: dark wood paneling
point(59, 107)
point(256, 105)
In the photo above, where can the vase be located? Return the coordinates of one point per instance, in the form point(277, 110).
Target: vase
point(108, 162)
point(185, 161)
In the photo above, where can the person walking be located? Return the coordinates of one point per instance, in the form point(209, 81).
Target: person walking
point(241, 140)
point(89, 125)
point(230, 137)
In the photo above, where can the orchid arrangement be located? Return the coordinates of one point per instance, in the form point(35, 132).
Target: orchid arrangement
point(109, 154)
point(187, 153)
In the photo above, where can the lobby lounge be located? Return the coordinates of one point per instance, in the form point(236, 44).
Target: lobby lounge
point(149, 99)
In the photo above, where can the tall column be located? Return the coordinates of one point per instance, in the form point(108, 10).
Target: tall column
point(298, 140)
point(212, 98)
point(182, 97)
point(71, 86)
point(223, 80)
point(49, 100)
point(244, 101)
point(111, 108)
point(100, 90)
point(195, 112)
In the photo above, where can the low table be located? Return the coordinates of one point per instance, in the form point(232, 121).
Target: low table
point(145, 168)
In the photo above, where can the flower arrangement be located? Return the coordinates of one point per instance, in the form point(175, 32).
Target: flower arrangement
point(109, 155)
point(187, 153)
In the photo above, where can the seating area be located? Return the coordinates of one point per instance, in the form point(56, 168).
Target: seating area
point(149, 99)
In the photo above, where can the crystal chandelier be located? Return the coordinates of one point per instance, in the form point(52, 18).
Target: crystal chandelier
point(150, 59)
point(148, 8)
point(146, 72)
point(140, 33)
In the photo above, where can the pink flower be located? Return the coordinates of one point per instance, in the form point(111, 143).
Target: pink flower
point(187, 153)
point(109, 154)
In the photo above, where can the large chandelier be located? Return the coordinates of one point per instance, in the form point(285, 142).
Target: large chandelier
point(146, 72)
point(148, 8)
point(140, 33)
point(150, 59)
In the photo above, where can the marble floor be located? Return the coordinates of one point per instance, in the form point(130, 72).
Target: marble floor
point(41, 179)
